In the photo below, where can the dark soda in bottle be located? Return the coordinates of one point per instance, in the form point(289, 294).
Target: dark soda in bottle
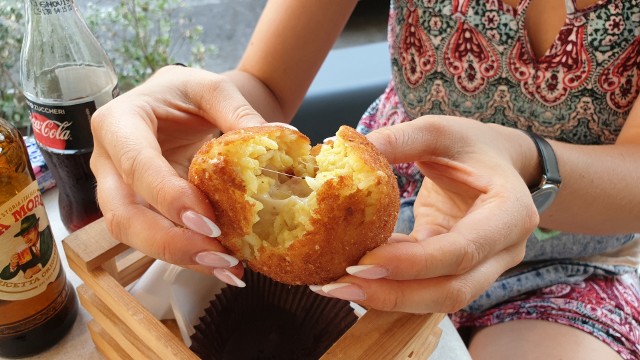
point(66, 76)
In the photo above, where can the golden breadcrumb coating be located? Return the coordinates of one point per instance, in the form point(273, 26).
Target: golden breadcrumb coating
point(297, 214)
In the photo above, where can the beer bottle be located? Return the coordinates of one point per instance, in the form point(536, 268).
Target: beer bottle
point(38, 305)
point(66, 76)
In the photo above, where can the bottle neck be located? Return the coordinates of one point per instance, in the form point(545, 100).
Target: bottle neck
point(48, 19)
point(61, 60)
point(50, 7)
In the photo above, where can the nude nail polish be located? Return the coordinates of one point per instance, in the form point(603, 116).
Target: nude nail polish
point(318, 290)
point(345, 291)
point(200, 224)
point(215, 259)
point(368, 271)
point(289, 126)
point(227, 277)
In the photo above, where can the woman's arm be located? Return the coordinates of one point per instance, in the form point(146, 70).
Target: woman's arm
point(145, 139)
point(599, 192)
point(288, 46)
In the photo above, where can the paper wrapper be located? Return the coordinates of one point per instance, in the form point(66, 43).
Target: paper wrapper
point(270, 320)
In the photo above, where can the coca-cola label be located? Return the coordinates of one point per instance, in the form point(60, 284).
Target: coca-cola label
point(63, 128)
point(51, 7)
point(29, 259)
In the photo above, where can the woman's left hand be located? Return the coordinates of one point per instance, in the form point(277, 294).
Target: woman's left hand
point(473, 215)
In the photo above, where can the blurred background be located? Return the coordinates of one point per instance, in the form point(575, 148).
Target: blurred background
point(141, 36)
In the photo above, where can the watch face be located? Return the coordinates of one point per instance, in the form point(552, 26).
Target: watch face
point(544, 196)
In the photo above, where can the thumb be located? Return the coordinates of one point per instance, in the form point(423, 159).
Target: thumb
point(421, 139)
point(215, 98)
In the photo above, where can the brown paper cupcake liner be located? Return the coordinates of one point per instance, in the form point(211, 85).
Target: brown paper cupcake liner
point(270, 320)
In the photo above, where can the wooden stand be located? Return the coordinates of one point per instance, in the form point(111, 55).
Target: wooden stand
point(123, 329)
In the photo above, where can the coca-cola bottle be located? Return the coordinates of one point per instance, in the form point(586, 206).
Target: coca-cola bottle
point(38, 305)
point(66, 76)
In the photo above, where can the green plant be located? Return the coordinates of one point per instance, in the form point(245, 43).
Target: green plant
point(12, 105)
point(144, 35)
point(140, 36)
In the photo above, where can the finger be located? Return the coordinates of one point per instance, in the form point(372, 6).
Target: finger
point(437, 295)
point(471, 241)
point(442, 255)
point(421, 139)
point(151, 233)
point(137, 156)
point(205, 94)
point(134, 149)
point(139, 227)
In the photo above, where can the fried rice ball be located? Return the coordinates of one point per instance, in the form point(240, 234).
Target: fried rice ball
point(297, 214)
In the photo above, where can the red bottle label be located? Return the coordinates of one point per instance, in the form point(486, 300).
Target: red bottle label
point(63, 129)
point(29, 259)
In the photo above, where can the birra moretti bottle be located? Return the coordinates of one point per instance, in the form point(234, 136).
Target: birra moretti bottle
point(66, 76)
point(38, 305)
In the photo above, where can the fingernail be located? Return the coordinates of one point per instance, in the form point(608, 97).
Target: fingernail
point(215, 259)
point(332, 138)
point(344, 291)
point(318, 290)
point(227, 277)
point(289, 126)
point(400, 238)
point(368, 271)
point(200, 224)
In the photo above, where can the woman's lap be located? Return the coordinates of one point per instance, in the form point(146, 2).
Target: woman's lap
point(607, 307)
point(604, 305)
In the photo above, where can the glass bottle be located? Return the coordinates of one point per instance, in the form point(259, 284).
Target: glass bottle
point(38, 305)
point(66, 75)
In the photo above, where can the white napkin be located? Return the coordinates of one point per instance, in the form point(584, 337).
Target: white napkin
point(171, 292)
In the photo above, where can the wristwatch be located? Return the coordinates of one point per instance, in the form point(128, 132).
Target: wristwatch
point(544, 194)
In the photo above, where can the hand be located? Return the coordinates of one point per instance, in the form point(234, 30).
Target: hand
point(31, 271)
point(144, 142)
point(473, 215)
point(14, 261)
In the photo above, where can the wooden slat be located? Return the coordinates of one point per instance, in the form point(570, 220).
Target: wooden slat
point(377, 335)
point(132, 267)
point(92, 245)
point(105, 343)
point(388, 335)
point(133, 314)
point(109, 322)
point(172, 325)
point(111, 267)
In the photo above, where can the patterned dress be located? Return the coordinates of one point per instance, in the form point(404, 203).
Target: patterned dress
point(472, 58)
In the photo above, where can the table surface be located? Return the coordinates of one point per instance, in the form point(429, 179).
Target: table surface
point(78, 344)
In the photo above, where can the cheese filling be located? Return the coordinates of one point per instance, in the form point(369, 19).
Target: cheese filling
point(281, 178)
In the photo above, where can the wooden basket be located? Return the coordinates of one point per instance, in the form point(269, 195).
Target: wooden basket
point(122, 328)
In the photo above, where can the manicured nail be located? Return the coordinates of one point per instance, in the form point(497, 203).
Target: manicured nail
point(200, 224)
point(318, 290)
point(215, 259)
point(368, 271)
point(227, 277)
point(332, 138)
point(289, 126)
point(400, 238)
point(345, 291)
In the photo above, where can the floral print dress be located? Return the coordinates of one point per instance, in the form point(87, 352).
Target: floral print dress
point(472, 58)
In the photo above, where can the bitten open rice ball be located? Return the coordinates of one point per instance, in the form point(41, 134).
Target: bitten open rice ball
point(297, 214)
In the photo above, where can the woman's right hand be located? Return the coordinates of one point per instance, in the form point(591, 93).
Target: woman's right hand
point(144, 142)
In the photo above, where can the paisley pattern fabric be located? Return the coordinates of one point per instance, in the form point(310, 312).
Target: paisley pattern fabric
point(472, 58)
point(605, 307)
